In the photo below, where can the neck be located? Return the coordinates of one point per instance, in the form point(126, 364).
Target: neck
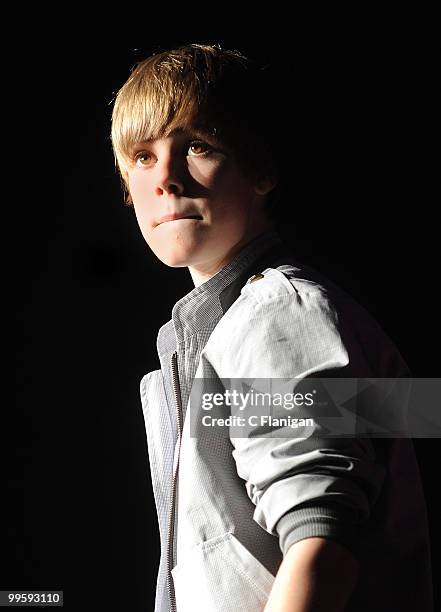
point(203, 272)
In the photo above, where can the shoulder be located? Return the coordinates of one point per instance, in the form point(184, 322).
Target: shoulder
point(286, 280)
point(283, 324)
point(284, 291)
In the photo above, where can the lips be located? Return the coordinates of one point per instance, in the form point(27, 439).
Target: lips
point(176, 216)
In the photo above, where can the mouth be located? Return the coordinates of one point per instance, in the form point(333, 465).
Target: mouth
point(172, 217)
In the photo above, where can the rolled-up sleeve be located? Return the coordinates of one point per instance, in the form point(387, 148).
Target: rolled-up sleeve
point(329, 521)
point(301, 487)
point(310, 487)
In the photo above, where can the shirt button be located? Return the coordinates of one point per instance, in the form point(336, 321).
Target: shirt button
point(256, 277)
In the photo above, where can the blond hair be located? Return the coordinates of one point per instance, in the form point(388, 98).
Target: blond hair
point(219, 93)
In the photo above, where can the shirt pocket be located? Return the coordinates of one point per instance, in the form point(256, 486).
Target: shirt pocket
point(221, 575)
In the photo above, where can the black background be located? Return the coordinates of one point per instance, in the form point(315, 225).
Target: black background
point(90, 297)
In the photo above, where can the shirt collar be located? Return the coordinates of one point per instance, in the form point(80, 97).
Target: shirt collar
point(201, 305)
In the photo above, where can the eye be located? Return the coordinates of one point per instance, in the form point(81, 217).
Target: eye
point(139, 157)
point(200, 147)
point(195, 148)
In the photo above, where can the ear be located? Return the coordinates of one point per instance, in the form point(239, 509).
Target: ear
point(265, 185)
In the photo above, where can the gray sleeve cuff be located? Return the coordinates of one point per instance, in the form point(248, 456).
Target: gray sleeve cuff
point(327, 521)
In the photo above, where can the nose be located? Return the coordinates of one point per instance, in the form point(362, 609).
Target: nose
point(169, 177)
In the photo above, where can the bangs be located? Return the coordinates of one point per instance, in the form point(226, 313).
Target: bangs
point(150, 109)
point(216, 95)
point(164, 94)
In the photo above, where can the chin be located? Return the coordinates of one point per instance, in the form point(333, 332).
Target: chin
point(176, 251)
point(174, 259)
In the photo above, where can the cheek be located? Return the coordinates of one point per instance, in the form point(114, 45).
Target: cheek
point(232, 193)
point(139, 186)
point(212, 173)
point(140, 192)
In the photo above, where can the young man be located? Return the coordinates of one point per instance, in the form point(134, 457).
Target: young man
point(255, 522)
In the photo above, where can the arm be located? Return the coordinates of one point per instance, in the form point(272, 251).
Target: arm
point(305, 490)
point(316, 575)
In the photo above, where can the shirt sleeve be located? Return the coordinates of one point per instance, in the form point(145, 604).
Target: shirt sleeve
point(301, 487)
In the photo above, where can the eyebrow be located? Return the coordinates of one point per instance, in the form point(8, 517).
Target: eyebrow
point(191, 132)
